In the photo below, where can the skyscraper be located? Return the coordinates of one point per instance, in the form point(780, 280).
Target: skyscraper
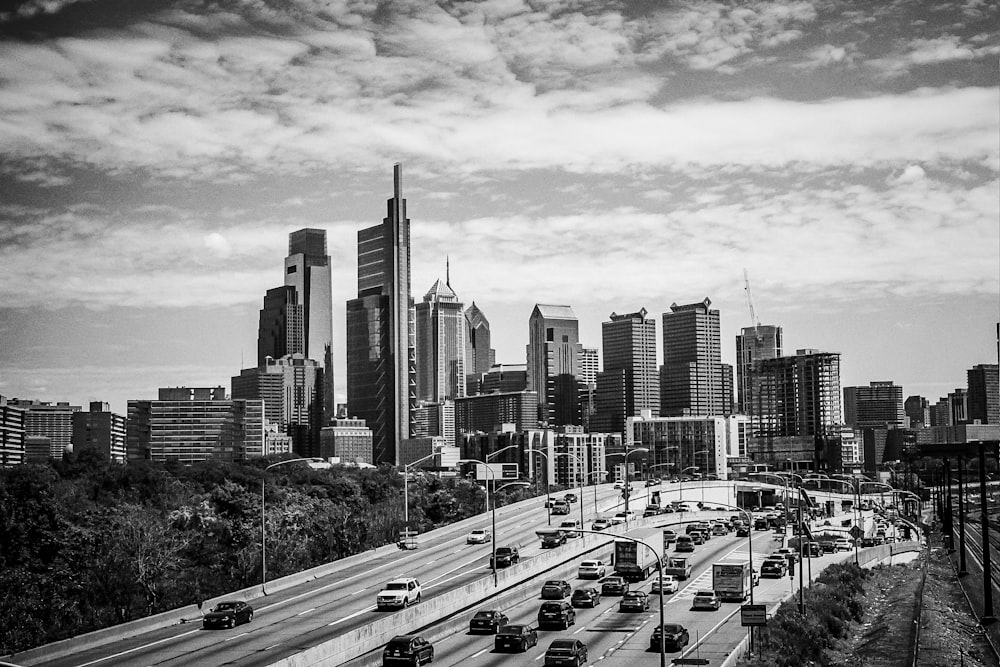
point(553, 353)
point(693, 380)
point(440, 345)
point(479, 356)
point(629, 382)
point(918, 411)
point(381, 363)
point(880, 404)
point(984, 394)
point(754, 343)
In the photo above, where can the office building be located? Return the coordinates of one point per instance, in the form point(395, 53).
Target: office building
point(291, 389)
point(630, 381)
point(918, 411)
point(488, 412)
point(47, 420)
point(800, 411)
point(195, 424)
point(381, 363)
point(684, 444)
point(435, 420)
point(553, 363)
point(589, 366)
point(479, 356)
point(100, 430)
point(763, 341)
point(880, 404)
point(984, 394)
point(280, 329)
point(504, 378)
point(440, 345)
point(350, 440)
point(693, 380)
point(11, 434)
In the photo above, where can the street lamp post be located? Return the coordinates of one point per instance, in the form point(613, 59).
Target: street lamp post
point(548, 494)
point(263, 532)
point(703, 470)
point(594, 473)
point(628, 482)
point(406, 489)
point(857, 508)
point(583, 479)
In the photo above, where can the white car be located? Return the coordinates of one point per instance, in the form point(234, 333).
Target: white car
point(478, 536)
point(600, 524)
point(670, 584)
point(399, 593)
point(592, 569)
point(843, 544)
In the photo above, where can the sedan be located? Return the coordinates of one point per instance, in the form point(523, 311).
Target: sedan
point(566, 652)
point(478, 536)
point(592, 569)
point(614, 586)
point(556, 589)
point(670, 584)
point(585, 597)
point(600, 524)
point(706, 600)
point(228, 615)
point(515, 638)
point(488, 621)
point(674, 637)
point(634, 601)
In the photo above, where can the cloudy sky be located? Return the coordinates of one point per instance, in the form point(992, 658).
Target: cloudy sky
point(155, 154)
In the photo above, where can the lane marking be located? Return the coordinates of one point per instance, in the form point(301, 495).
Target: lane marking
point(303, 613)
point(242, 634)
point(350, 616)
point(476, 655)
point(138, 648)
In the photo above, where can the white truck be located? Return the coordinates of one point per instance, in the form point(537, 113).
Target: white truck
point(732, 581)
point(633, 562)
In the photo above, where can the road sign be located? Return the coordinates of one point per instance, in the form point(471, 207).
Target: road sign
point(753, 614)
point(498, 472)
point(856, 531)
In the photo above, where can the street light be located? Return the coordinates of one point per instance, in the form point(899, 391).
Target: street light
point(263, 552)
point(693, 456)
point(857, 508)
point(548, 494)
point(680, 489)
point(493, 513)
point(628, 482)
point(583, 479)
point(592, 474)
point(406, 494)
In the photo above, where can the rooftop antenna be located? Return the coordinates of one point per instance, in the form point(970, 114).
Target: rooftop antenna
point(447, 270)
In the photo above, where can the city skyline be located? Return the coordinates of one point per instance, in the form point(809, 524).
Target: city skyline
point(604, 156)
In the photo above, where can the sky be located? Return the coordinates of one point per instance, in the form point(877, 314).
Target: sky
point(610, 156)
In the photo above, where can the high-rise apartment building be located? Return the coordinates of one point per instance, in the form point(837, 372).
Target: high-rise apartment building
point(880, 404)
point(381, 359)
point(195, 424)
point(693, 379)
point(590, 365)
point(100, 430)
point(918, 411)
point(11, 434)
point(440, 345)
point(48, 420)
point(763, 341)
point(630, 381)
point(984, 394)
point(553, 361)
point(479, 356)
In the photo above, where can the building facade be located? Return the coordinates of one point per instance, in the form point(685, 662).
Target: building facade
point(504, 378)
point(918, 411)
point(679, 444)
point(102, 431)
point(984, 394)
point(479, 356)
point(381, 357)
point(48, 420)
point(11, 434)
point(693, 379)
point(763, 341)
point(348, 439)
point(630, 380)
point(440, 345)
point(878, 404)
point(553, 363)
point(487, 412)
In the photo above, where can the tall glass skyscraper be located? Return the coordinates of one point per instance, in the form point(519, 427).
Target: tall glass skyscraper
point(479, 356)
point(763, 341)
point(381, 362)
point(693, 380)
point(630, 382)
point(440, 345)
point(553, 353)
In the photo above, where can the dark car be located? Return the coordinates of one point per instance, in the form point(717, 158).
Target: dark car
point(566, 652)
point(506, 556)
point(585, 597)
point(515, 638)
point(614, 586)
point(556, 614)
point(487, 621)
point(742, 531)
point(697, 537)
point(228, 615)
point(634, 601)
point(556, 589)
point(570, 497)
point(407, 650)
point(674, 638)
point(773, 568)
point(553, 540)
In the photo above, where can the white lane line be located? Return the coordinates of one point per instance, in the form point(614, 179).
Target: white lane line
point(476, 655)
point(242, 634)
point(303, 613)
point(580, 630)
point(360, 590)
point(138, 648)
point(268, 648)
point(350, 616)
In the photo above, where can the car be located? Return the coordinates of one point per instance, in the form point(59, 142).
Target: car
point(618, 485)
point(719, 529)
point(773, 567)
point(554, 539)
point(697, 537)
point(600, 524)
point(669, 536)
point(506, 556)
point(685, 543)
point(228, 615)
point(786, 552)
point(693, 527)
point(398, 593)
point(618, 519)
point(570, 527)
point(867, 541)
point(478, 536)
point(670, 584)
point(560, 507)
point(570, 497)
point(407, 650)
point(566, 652)
point(674, 637)
point(706, 600)
point(614, 586)
point(515, 638)
point(650, 511)
point(585, 597)
point(559, 614)
point(634, 601)
point(622, 517)
point(592, 569)
point(683, 507)
point(488, 621)
point(742, 531)
point(556, 589)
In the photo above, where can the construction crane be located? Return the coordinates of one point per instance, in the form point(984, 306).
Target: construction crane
point(753, 315)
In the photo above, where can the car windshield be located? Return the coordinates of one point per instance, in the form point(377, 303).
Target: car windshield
point(562, 644)
point(553, 583)
point(483, 615)
point(632, 595)
point(225, 606)
point(395, 586)
point(511, 630)
point(503, 551)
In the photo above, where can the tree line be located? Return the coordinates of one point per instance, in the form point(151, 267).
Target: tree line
point(86, 544)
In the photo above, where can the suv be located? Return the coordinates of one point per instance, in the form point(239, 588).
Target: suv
point(674, 637)
point(407, 650)
point(560, 614)
point(399, 593)
point(506, 556)
point(773, 566)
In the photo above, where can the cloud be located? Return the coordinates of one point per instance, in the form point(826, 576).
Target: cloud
point(931, 51)
point(912, 173)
